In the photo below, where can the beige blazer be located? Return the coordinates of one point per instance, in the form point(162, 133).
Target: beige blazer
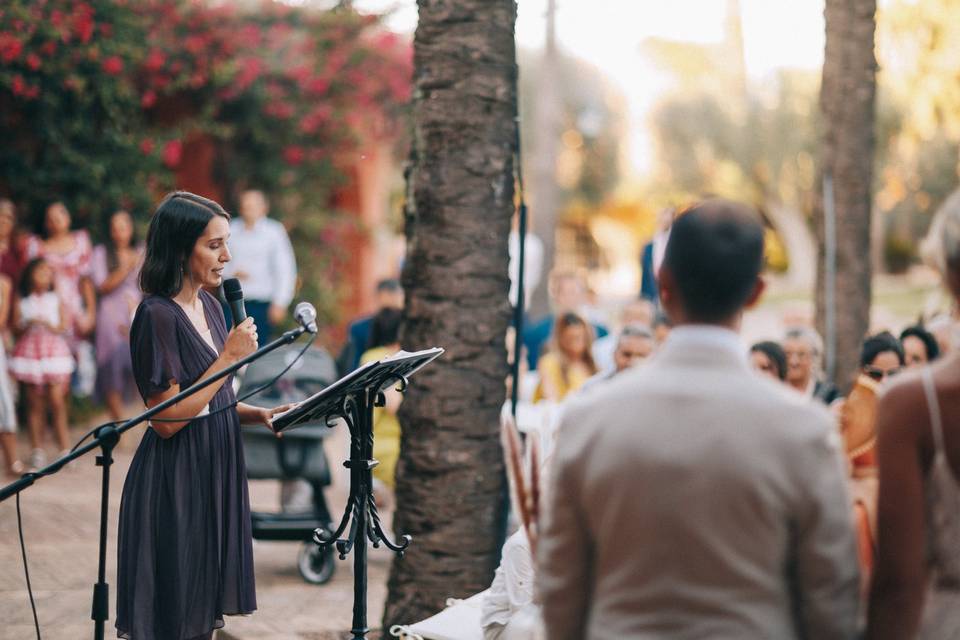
point(691, 498)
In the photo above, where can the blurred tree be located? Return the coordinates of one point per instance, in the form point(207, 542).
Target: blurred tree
point(578, 164)
point(756, 144)
point(918, 120)
point(847, 95)
point(450, 477)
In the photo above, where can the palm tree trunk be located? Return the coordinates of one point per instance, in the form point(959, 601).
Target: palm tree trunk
point(450, 477)
point(847, 101)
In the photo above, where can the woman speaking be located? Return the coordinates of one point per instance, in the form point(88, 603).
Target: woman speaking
point(184, 552)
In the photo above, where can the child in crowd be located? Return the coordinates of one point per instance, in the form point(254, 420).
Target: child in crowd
point(41, 358)
point(8, 412)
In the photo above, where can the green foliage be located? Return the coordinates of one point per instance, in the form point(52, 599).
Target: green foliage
point(100, 98)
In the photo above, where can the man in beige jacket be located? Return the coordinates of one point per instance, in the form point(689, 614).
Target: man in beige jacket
point(690, 498)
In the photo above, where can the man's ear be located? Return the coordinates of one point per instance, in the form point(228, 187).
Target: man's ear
point(665, 286)
point(758, 288)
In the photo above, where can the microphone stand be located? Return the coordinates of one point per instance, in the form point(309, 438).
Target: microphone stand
point(106, 437)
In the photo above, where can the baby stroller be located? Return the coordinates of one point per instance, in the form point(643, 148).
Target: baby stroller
point(299, 455)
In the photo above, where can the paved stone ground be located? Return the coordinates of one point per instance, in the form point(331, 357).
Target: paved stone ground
point(61, 520)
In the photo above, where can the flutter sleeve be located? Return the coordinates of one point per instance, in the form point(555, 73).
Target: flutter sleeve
point(154, 349)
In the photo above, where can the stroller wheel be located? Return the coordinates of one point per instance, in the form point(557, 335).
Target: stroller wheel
point(316, 567)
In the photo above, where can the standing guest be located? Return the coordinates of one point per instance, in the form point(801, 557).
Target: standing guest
point(263, 262)
point(918, 451)
point(68, 253)
point(803, 348)
point(568, 364)
point(732, 498)
point(652, 257)
point(8, 411)
point(389, 296)
point(184, 556)
point(41, 358)
point(769, 358)
point(919, 346)
point(11, 251)
point(115, 270)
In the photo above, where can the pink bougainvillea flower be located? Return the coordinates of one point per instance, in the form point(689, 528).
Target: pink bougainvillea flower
point(293, 155)
point(49, 48)
point(172, 152)
point(18, 85)
point(33, 61)
point(155, 60)
point(148, 99)
point(31, 92)
point(83, 25)
point(112, 66)
point(146, 146)
point(10, 47)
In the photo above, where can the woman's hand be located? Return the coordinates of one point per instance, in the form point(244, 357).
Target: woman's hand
point(262, 415)
point(242, 340)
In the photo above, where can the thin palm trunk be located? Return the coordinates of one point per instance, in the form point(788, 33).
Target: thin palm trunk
point(847, 97)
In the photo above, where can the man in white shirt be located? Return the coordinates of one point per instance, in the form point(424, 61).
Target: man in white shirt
point(690, 497)
point(263, 261)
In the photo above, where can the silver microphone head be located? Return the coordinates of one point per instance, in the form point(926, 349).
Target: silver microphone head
point(306, 315)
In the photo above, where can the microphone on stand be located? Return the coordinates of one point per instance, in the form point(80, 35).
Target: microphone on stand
point(306, 315)
point(234, 295)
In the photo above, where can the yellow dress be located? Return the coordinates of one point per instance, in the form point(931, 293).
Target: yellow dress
point(386, 431)
point(552, 374)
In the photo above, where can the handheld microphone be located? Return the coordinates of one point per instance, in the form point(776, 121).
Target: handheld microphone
point(305, 314)
point(234, 295)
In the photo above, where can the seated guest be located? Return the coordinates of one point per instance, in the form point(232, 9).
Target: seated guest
point(919, 346)
point(568, 294)
point(385, 340)
point(685, 501)
point(768, 358)
point(803, 348)
point(661, 327)
point(635, 312)
point(568, 364)
point(389, 296)
point(634, 345)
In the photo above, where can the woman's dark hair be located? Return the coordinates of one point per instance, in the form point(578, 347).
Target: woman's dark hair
point(179, 221)
point(775, 354)
point(880, 343)
point(113, 262)
point(385, 328)
point(26, 278)
point(929, 341)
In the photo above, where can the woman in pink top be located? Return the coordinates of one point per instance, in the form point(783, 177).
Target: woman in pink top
point(68, 253)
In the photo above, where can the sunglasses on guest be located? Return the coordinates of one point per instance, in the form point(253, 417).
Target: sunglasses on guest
point(879, 374)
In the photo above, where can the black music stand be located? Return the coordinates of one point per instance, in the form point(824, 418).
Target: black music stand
point(353, 398)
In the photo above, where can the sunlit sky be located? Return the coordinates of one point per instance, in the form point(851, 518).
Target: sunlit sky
point(609, 33)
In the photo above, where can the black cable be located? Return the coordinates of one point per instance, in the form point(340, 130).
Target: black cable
point(26, 571)
point(212, 413)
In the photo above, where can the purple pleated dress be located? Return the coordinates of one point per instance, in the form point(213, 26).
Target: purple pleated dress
point(185, 556)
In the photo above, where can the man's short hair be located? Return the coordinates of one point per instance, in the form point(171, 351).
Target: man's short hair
point(715, 254)
point(808, 335)
point(389, 284)
point(635, 330)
